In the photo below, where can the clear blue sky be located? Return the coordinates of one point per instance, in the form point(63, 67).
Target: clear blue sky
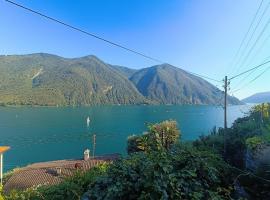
point(201, 36)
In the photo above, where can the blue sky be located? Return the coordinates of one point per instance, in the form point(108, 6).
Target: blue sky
point(201, 36)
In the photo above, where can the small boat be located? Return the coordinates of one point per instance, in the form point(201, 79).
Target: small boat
point(88, 121)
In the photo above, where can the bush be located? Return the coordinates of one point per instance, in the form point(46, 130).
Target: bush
point(159, 136)
point(248, 133)
point(28, 194)
point(136, 143)
point(254, 143)
point(180, 173)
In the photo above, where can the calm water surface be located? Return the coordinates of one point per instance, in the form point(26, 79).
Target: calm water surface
point(42, 133)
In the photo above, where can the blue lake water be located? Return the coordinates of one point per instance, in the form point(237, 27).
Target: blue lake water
point(47, 133)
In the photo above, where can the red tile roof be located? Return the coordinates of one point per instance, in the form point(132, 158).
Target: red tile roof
point(45, 173)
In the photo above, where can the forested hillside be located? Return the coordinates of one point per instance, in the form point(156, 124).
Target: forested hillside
point(170, 85)
point(45, 79)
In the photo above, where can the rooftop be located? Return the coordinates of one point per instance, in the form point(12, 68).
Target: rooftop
point(52, 172)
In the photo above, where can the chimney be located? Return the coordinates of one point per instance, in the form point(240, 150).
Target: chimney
point(58, 170)
point(86, 154)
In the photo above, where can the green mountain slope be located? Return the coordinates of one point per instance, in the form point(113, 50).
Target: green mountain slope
point(125, 71)
point(43, 79)
point(170, 85)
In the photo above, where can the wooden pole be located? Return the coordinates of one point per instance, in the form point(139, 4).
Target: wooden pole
point(225, 101)
point(225, 111)
point(94, 145)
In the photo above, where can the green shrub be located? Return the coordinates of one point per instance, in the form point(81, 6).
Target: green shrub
point(180, 173)
point(254, 143)
point(28, 194)
point(249, 132)
point(159, 136)
point(136, 143)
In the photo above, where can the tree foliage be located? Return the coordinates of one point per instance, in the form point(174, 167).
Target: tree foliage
point(179, 173)
point(159, 136)
point(249, 135)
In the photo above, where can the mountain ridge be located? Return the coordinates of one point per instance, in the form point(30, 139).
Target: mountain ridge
point(167, 79)
point(47, 79)
point(261, 97)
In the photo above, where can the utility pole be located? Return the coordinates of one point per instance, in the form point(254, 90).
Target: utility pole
point(225, 101)
point(94, 145)
point(225, 111)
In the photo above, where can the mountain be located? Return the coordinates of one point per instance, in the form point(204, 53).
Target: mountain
point(262, 97)
point(170, 85)
point(125, 71)
point(45, 79)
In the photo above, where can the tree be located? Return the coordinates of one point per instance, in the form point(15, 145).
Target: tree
point(159, 136)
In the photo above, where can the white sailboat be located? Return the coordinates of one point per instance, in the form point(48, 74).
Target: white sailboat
point(88, 121)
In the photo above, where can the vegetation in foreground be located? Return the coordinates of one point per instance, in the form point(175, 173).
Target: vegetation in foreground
point(160, 166)
point(246, 148)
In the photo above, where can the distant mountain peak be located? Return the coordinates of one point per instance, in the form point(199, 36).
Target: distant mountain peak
point(90, 57)
point(41, 54)
point(167, 84)
point(261, 97)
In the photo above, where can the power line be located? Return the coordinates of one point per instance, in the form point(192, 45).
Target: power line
point(101, 38)
point(203, 76)
point(85, 32)
point(254, 44)
point(256, 67)
point(247, 33)
point(251, 37)
point(259, 49)
point(253, 79)
point(244, 78)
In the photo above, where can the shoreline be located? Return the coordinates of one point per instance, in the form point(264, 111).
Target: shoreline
point(98, 105)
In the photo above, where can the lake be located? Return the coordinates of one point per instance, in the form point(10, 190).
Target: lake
point(48, 133)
